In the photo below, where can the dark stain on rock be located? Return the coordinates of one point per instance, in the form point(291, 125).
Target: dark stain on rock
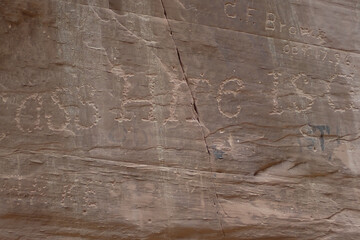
point(218, 153)
point(323, 129)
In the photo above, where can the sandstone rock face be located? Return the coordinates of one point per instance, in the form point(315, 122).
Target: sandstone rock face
point(180, 119)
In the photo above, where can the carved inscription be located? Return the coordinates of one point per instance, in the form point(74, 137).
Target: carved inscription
point(228, 92)
point(270, 21)
point(249, 12)
point(39, 111)
point(340, 93)
point(273, 23)
point(87, 113)
point(136, 103)
point(325, 55)
point(56, 116)
point(288, 93)
point(150, 97)
point(28, 114)
point(232, 9)
point(73, 186)
point(296, 92)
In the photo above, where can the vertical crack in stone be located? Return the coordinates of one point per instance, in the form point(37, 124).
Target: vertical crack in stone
point(195, 109)
point(186, 79)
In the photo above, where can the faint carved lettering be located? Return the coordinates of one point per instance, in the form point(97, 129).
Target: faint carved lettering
point(47, 111)
point(28, 114)
point(270, 21)
point(341, 94)
point(292, 30)
point(286, 49)
point(229, 89)
point(282, 26)
point(326, 55)
point(229, 9)
point(288, 93)
point(294, 50)
point(249, 13)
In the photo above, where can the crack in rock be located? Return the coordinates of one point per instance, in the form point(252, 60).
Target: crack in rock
point(194, 107)
point(186, 78)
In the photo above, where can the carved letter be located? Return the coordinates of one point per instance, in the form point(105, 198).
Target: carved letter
point(229, 9)
point(282, 26)
point(286, 49)
point(292, 30)
point(248, 13)
point(295, 50)
point(230, 88)
point(270, 21)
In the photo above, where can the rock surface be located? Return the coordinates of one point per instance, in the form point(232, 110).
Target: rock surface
point(179, 119)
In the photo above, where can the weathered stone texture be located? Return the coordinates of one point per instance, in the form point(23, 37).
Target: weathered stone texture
point(180, 119)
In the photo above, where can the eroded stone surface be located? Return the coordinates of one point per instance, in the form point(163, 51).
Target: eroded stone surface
point(179, 119)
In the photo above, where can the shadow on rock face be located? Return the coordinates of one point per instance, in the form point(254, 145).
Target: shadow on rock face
point(16, 11)
point(115, 5)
